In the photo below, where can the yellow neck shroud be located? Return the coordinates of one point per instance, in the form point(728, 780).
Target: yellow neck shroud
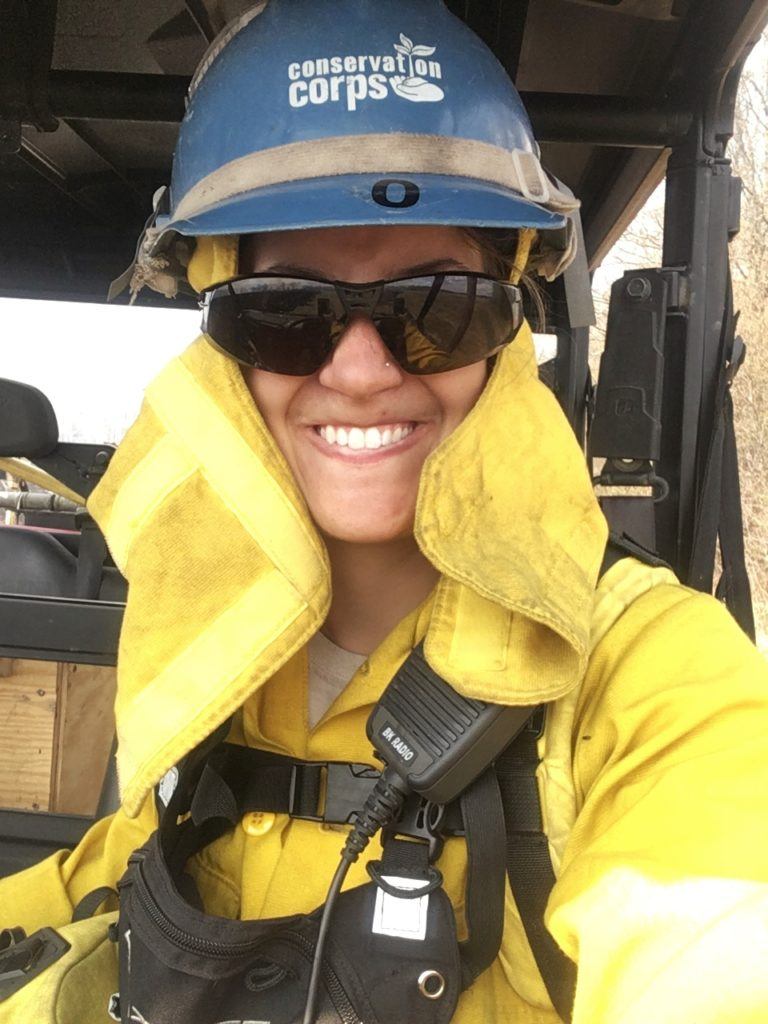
point(228, 577)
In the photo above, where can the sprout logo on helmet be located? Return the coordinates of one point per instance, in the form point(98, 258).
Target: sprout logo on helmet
point(325, 113)
point(354, 79)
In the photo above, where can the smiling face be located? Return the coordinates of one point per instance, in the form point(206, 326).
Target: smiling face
point(357, 432)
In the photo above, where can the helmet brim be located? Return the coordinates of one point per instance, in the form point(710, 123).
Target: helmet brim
point(349, 200)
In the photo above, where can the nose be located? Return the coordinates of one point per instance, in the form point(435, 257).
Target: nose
point(360, 364)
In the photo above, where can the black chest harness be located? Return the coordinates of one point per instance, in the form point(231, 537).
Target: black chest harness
point(178, 963)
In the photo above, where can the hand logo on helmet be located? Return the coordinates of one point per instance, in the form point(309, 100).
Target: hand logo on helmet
point(352, 79)
point(414, 87)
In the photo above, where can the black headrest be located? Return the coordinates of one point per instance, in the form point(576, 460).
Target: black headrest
point(28, 426)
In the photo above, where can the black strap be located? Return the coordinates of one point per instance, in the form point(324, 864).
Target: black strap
point(404, 859)
point(90, 903)
point(483, 813)
point(238, 779)
point(529, 867)
point(622, 545)
point(733, 586)
point(718, 510)
point(186, 775)
point(235, 780)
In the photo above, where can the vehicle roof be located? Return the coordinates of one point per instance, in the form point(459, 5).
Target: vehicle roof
point(609, 85)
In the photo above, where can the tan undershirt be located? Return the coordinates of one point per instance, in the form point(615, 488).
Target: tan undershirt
point(330, 669)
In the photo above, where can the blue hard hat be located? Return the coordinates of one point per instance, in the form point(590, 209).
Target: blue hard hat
point(311, 113)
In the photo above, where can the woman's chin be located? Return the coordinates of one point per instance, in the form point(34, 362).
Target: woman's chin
point(372, 529)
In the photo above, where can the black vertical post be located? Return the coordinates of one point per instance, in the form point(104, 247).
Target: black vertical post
point(697, 228)
point(571, 371)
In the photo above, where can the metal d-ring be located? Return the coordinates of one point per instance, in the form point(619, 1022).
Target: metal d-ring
point(424, 980)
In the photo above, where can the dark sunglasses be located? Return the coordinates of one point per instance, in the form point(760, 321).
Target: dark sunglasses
point(429, 324)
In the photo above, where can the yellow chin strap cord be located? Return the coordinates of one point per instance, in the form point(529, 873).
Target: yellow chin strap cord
point(214, 260)
point(525, 239)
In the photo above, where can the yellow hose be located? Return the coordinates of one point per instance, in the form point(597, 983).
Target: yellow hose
point(23, 470)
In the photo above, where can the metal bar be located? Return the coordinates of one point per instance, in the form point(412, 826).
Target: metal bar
point(509, 47)
point(617, 204)
point(606, 120)
point(59, 629)
point(571, 369)
point(86, 136)
point(27, 837)
point(34, 827)
point(46, 168)
point(20, 501)
point(696, 232)
point(202, 18)
point(26, 46)
point(113, 96)
point(557, 117)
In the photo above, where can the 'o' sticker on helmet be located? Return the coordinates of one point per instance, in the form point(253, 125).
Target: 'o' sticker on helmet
point(396, 193)
point(354, 79)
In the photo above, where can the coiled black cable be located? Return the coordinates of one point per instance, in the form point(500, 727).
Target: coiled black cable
point(381, 808)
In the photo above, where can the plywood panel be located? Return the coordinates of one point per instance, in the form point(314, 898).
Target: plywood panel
point(85, 729)
point(27, 717)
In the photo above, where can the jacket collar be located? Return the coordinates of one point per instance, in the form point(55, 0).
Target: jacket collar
point(505, 513)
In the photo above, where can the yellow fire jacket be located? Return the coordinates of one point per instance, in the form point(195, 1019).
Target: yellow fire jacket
point(654, 778)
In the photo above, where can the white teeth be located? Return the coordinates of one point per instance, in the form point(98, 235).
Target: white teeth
point(368, 439)
point(356, 439)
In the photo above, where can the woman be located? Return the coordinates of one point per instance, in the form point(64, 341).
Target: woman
point(362, 460)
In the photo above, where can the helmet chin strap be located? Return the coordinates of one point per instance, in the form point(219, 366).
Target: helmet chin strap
point(525, 239)
point(214, 260)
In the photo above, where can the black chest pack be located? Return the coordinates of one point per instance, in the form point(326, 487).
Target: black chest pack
point(391, 952)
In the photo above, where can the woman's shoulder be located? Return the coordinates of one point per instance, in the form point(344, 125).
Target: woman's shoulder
point(667, 659)
point(643, 611)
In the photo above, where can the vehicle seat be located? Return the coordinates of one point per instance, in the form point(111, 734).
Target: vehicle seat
point(35, 562)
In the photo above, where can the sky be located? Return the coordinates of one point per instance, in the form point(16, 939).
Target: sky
point(93, 361)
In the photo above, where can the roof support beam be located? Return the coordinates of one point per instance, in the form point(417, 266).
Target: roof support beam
point(590, 120)
point(202, 17)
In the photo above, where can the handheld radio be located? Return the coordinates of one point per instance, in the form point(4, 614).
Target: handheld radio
point(433, 742)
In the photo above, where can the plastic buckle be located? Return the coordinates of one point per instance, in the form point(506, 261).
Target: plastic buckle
point(420, 819)
point(11, 937)
point(21, 961)
point(537, 722)
point(347, 787)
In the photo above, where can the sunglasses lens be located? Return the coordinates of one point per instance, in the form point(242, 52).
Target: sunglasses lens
point(445, 322)
point(282, 325)
point(429, 324)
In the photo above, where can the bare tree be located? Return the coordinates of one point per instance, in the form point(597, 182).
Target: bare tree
point(749, 255)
